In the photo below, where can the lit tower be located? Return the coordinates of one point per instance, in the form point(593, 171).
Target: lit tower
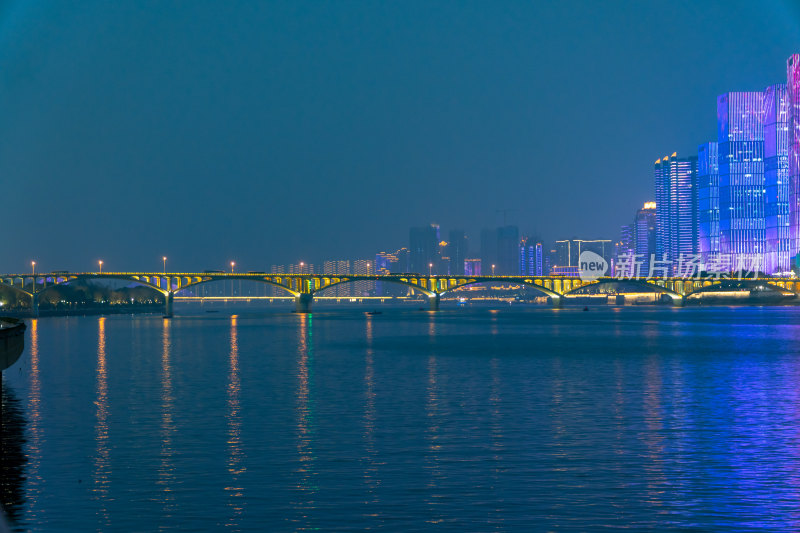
point(708, 201)
point(740, 130)
point(676, 207)
point(776, 178)
point(793, 95)
point(644, 235)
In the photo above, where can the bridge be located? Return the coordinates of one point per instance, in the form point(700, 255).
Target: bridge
point(303, 287)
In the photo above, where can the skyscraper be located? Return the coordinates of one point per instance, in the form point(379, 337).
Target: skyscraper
point(539, 259)
point(644, 236)
point(676, 207)
point(793, 95)
point(527, 257)
point(564, 254)
point(623, 248)
point(708, 202)
point(776, 178)
point(488, 251)
point(740, 133)
point(457, 249)
point(507, 251)
point(424, 249)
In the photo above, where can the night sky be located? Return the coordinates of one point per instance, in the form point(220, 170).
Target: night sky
point(275, 132)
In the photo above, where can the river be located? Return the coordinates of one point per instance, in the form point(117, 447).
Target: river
point(469, 419)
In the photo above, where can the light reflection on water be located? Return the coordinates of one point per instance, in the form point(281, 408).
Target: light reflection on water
point(102, 462)
point(166, 469)
point(371, 472)
point(466, 419)
point(35, 431)
point(236, 468)
point(306, 482)
point(433, 417)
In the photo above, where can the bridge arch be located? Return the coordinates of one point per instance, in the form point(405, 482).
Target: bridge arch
point(15, 288)
point(69, 278)
point(427, 292)
point(526, 282)
point(118, 277)
point(209, 279)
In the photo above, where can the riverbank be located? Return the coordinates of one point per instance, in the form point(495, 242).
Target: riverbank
point(90, 311)
point(12, 341)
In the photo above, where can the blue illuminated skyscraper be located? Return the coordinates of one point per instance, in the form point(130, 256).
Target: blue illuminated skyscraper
point(776, 178)
point(676, 207)
point(708, 201)
point(527, 257)
point(530, 257)
point(539, 259)
point(740, 130)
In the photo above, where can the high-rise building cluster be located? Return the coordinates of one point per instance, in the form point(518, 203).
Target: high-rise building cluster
point(502, 251)
point(736, 204)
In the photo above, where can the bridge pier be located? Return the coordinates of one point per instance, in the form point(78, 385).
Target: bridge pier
point(557, 301)
point(302, 303)
point(434, 300)
point(679, 302)
point(168, 301)
point(35, 305)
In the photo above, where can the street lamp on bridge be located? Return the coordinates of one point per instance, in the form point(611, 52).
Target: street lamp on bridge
point(233, 264)
point(430, 266)
point(165, 264)
point(492, 270)
point(33, 268)
point(100, 264)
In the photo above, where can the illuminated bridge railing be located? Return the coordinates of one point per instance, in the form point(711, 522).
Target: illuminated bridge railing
point(303, 287)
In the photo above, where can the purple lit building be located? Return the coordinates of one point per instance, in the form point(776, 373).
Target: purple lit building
point(740, 129)
point(793, 96)
point(472, 267)
point(776, 178)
